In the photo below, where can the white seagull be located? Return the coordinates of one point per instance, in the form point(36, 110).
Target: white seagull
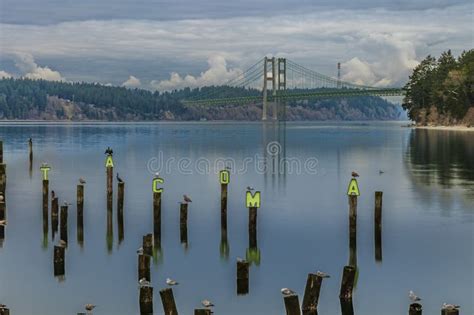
point(207, 303)
point(171, 282)
point(450, 307)
point(413, 297)
point(286, 291)
point(322, 274)
point(144, 282)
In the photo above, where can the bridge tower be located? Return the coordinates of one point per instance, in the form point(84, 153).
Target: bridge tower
point(278, 79)
point(338, 75)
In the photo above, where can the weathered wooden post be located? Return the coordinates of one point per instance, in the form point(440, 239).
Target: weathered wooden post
point(54, 216)
point(378, 225)
point(120, 197)
point(45, 170)
point(253, 203)
point(80, 214)
point(202, 311)
point(347, 283)
point(3, 216)
point(146, 300)
point(224, 178)
point(109, 166)
point(3, 172)
point(311, 294)
point(450, 311)
point(63, 223)
point(183, 222)
point(415, 309)
point(292, 305)
point(148, 244)
point(169, 305)
point(157, 209)
point(59, 261)
point(242, 277)
point(346, 307)
point(4, 311)
point(353, 193)
point(144, 267)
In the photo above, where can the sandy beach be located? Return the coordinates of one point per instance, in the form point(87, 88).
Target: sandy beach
point(453, 128)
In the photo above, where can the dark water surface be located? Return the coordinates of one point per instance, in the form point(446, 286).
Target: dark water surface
point(428, 215)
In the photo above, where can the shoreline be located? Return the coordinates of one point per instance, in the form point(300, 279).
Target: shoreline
point(449, 128)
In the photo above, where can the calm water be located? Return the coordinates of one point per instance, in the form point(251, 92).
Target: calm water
point(428, 215)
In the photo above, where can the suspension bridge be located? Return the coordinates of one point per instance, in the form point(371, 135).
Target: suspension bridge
point(274, 81)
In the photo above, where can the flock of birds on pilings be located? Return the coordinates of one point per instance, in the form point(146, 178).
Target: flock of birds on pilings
point(146, 283)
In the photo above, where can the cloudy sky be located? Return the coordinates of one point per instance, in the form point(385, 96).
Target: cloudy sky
point(165, 44)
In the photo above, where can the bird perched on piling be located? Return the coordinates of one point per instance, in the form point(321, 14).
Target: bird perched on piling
point(62, 243)
point(1, 197)
point(89, 307)
point(3, 306)
point(109, 151)
point(66, 204)
point(354, 174)
point(287, 292)
point(207, 303)
point(322, 274)
point(171, 282)
point(450, 307)
point(381, 172)
point(143, 282)
point(140, 251)
point(157, 174)
point(82, 181)
point(187, 199)
point(120, 180)
point(250, 188)
point(53, 194)
point(240, 259)
point(413, 297)
point(228, 167)
point(3, 222)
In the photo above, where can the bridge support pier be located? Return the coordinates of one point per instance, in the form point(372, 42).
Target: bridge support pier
point(278, 79)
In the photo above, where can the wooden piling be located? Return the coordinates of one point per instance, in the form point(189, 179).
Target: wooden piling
point(224, 209)
point(59, 261)
point(148, 244)
point(3, 216)
point(242, 277)
point(146, 300)
point(157, 217)
point(144, 267)
point(347, 283)
point(449, 311)
point(120, 197)
point(183, 222)
point(80, 214)
point(3, 172)
point(202, 311)
point(253, 227)
point(169, 305)
point(415, 309)
point(292, 305)
point(63, 224)
point(353, 230)
point(54, 216)
point(378, 226)
point(346, 307)
point(4, 311)
point(110, 178)
point(311, 294)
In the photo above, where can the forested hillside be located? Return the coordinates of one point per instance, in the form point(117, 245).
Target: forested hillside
point(46, 100)
point(440, 91)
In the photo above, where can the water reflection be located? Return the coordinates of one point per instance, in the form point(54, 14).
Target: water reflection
point(444, 158)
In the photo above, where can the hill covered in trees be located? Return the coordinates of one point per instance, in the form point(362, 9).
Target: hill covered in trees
point(440, 91)
point(46, 100)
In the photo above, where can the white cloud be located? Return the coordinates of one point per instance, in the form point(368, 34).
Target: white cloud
point(217, 74)
point(386, 43)
point(132, 82)
point(27, 65)
point(398, 58)
point(4, 75)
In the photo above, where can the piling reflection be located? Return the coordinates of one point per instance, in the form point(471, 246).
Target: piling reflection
point(183, 224)
point(157, 251)
point(54, 215)
point(110, 228)
point(224, 248)
point(3, 217)
point(274, 153)
point(253, 255)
